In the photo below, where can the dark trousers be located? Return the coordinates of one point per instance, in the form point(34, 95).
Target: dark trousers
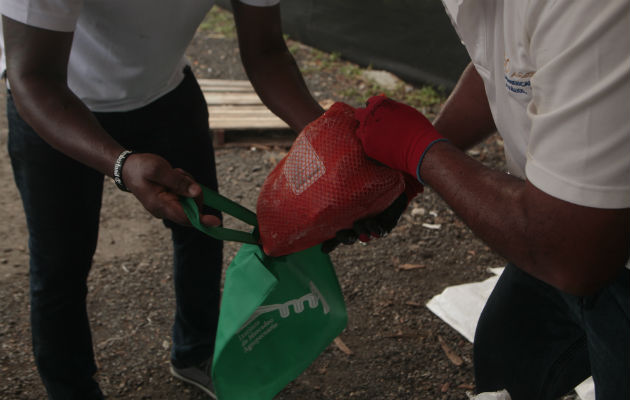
point(539, 343)
point(62, 201)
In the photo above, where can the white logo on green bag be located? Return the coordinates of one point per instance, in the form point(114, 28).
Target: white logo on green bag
point(252, 332)
point(313, 299)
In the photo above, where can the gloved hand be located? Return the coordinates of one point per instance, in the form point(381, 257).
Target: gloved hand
point(376, 226)
point(395, 134)
point(379, 225)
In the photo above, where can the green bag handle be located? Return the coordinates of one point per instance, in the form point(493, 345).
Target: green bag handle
point(221, 203)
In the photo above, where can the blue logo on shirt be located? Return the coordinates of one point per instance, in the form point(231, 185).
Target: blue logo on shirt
point(519, 87)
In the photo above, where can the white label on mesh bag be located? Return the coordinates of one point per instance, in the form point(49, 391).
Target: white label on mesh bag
point(302, 167)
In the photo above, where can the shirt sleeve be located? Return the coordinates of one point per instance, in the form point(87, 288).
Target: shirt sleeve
point(579, 147)
point(260, 3)
point(57, 15)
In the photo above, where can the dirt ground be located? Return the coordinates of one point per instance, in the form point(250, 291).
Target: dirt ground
point(399, 348)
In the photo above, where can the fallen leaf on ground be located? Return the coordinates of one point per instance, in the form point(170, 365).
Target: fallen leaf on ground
point(407, 267)
point(342, 346)
point(400, 334)
point(454, 358)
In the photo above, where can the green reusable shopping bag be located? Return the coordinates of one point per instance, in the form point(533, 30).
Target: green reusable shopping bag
point(277, 313)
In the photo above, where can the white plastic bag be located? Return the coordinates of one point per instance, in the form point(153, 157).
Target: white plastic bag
point(502, 395)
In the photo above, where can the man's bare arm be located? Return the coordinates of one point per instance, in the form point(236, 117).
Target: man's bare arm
point(270, 66)
point(37, 64)
point(574, 248)
point(465, 119)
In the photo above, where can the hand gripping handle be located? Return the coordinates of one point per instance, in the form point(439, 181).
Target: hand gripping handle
point(215, 200)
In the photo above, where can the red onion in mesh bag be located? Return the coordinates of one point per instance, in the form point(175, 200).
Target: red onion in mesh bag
point(324, 184)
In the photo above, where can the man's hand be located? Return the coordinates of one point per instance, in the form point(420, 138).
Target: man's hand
point(395, 134)
point(158, 187)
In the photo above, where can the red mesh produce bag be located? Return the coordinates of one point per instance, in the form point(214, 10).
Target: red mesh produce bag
point(324, 184)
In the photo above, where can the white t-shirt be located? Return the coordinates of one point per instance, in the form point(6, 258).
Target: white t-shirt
point(557, 75)
point(125, 53)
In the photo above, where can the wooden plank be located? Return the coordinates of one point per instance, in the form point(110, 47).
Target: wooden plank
point(250, 118)
point(213, 83)
point(219, 98)
point(227, 88)
point(223, 122)
point(234, 105)
point(243, 124)
point(259, 119)
point(218, 137)
point(214, 89)
point(236, 110)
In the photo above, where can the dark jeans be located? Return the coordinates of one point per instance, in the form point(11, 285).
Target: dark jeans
point(539, 343)
point(62, 201)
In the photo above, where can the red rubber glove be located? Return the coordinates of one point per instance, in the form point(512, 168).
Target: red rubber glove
point(395, 134)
